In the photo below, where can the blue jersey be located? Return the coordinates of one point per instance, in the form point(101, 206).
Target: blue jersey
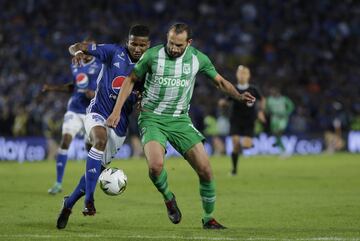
point(85, 77)
point(116, 66)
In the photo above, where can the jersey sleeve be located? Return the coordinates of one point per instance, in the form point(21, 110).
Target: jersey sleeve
point(103, 52)
point(143, 65)
point(290, 105)
point(206, 67)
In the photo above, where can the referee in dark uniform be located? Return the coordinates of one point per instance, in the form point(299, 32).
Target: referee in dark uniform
point(243, 116)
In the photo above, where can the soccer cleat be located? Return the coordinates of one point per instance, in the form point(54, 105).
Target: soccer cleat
point(63, 216)
point(212, 224)
point(173, 211)
point(55, 189)
point(89, 209)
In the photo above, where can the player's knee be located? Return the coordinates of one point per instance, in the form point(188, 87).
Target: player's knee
point(236, 148)
point(100, 144)
point(205, 173)
point(88, 146)
point(65, 142)
point(155, 168)
point(64, 145)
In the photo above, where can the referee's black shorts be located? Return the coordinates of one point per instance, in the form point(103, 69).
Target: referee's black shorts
point(242, 128)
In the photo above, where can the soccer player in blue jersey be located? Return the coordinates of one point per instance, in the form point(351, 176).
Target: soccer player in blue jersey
point(118, 62)
point(83, 88)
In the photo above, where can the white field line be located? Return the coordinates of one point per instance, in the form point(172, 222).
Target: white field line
point(164, 237)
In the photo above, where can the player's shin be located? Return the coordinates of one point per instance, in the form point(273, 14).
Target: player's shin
point(161, 184)
point(61, 160)
point(279, 143)
point(207, 193)
point(76, 194)
point(93, 170)
point(234, 159)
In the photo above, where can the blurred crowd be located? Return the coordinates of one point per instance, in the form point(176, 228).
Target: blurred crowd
point(310, 50)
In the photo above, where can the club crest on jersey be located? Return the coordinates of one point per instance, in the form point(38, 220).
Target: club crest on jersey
point(117, 83)
point(82, 80)
point(186, 68)
point(92, 71)
point(98, 118)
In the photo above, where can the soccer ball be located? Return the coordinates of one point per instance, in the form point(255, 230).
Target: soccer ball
point(113, 181)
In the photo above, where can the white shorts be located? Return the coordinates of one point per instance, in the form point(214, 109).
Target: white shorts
point(73, 124)
point(114, 142)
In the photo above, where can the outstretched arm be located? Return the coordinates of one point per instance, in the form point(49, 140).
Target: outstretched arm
point(78, 47)
point(229, 89)
point(261, 113)
point(67, 88)
point(125, 91)
point(79, 51)
point(103, 52)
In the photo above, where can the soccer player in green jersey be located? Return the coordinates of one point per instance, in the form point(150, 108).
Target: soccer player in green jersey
point(279, 108)
point(169, 72)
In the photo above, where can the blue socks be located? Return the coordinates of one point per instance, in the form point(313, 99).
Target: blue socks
point(77, 193)
point(93, 170)
point(61, 160)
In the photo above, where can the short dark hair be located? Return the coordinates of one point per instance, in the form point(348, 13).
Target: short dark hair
point(89, 38)
point(139, 30)
point(181, 27)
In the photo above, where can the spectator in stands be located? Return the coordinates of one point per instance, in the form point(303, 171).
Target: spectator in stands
point(312, 49)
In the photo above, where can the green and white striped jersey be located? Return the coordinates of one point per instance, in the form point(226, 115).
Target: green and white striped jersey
point(280, 106)
point(169, 82)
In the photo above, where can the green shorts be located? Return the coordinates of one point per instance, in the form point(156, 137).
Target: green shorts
point(278, 124)
point(178, 131)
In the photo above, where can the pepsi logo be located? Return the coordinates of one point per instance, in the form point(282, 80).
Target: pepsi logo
point(82, 80)
point(117, 83)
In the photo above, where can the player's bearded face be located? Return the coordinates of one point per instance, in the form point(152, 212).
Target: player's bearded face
point(176, 43)
point(137, 46)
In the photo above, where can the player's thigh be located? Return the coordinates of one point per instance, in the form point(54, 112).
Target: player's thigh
point(283, 122)
point(151, 129)
point(95, 128)
point(72, 124)
point(278, 124)
point(154, 153)
point(113, 145)
point(182, 135)
point(199, 160)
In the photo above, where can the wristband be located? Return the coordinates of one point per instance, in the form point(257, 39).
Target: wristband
point(71, 51)
point(78, 52)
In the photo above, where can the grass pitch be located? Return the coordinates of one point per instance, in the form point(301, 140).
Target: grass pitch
point(299, 198)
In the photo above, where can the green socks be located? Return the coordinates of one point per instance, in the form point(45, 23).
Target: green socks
point(280, 144)
point(207, 193)
point(161, 184)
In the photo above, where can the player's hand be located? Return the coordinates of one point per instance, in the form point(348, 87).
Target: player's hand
point(248, 98)
point(76, 60)
point(113, 120)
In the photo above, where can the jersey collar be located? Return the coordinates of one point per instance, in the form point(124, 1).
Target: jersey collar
point(90, 62)
point(242, 87)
